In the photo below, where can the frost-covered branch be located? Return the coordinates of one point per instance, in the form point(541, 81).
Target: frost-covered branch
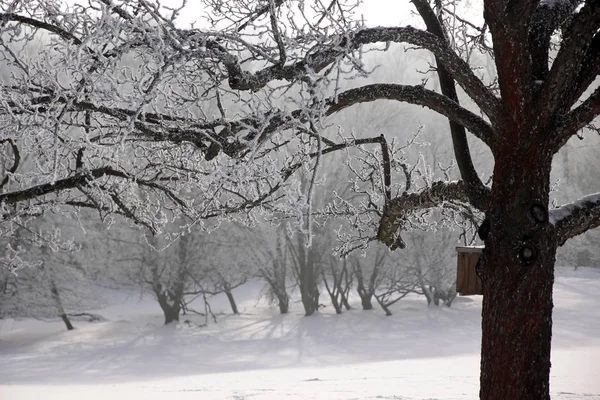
point(16, 161)
point(478, 192)
point(400, 207)
point(576, 218)
point(323, 57)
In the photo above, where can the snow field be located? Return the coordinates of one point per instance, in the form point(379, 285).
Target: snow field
point(419, 353)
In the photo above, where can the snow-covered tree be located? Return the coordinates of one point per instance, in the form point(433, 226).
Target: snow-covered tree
point(135, 137)
point(55, 283)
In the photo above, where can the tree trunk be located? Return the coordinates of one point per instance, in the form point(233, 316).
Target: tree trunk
point(366, 301)
point(427, 293)
point(517, 272)
point(58, 304)
point(366, 296)
point(67, 322)
point(384, 306)
point(335, 291)
point(308, 289)
point(436, 298)
point(310, 301)
point(234, 308)
point(170, 307)
point(336, 305)
point(450, 297)
point(345, 301)
point(284, 304)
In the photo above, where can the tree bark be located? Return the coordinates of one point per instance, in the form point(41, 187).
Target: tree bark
point(170, 307)
point(59, 307)
point(517, 273)
point(58, 302)
point(232, 303)
point(366, 302)
point(345, 302)
point(384, 306)
point(284, 304)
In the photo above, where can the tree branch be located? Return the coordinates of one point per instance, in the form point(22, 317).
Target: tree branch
point(478, 192)
point(590, 69)
point(400, 207)
point(10, 17)
point(509, 22)
point(547, 17)
point(578, 118)
point(569, 61)
point(420, 96)
point(81, 179)
point(576, 218)
point(319, 60)
point(16, 161)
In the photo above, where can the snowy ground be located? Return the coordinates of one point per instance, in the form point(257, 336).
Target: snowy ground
point(419, 353)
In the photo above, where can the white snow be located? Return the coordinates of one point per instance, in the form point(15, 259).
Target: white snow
point(418, 353)
point(564, 211)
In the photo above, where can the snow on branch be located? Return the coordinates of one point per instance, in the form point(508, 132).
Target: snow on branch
point(338, 46)
point(398, 209)
point(576, 218)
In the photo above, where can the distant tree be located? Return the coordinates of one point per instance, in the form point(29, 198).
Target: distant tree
point(382, 275)
point(227, 265)
point(55, 282)
point(367, 277)
point(337, 279)
point(432, 260)
point(271, 266)
point(307, 263)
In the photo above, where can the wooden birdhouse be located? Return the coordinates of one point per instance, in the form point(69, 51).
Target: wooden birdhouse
point(467, 281)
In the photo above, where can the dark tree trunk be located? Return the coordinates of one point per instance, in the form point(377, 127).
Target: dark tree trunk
point(517, 272)
point(67, 322)
point(170, 307)
point(232, 303)
point(366, 301)
point(384, 306)
point(309, 291)
point(310, 301)
point(427, 293)
point(335, 291)
point(284, 304)
point(336, 305)
point(345, 302)
point(366, 296)
point(59, 306)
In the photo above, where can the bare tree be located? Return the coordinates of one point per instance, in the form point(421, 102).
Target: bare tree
point(367, 273)
point(272, 267)
point(337, 279)
point(306, 264)
point(433, 263)
point(101, 131)
point(55, 283)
